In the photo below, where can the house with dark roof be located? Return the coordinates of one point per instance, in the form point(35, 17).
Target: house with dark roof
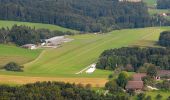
point(138, 76)
point(136, 83)
point(162, 73)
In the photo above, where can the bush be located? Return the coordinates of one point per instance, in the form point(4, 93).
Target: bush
point(141, 96)
point(148, 98)
point(168, 98)
point(158, 97)
point(12, 66)
point(113, 87)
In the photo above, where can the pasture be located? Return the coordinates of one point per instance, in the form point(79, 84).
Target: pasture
point(35, 25)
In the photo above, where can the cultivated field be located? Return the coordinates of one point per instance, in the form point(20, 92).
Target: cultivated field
point(34, 25)
point(70, 58)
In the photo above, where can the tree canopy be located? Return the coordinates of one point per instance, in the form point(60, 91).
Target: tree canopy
point(122, 79)
point(21, 35)
point(83, 15)
point(163, 4)
point(134, 56)
point(164, 39)
point(53, 91)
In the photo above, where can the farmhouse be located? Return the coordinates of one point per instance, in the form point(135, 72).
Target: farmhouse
point(136, 83)
point(138, 76)
point(163, 73)
point(29, 46)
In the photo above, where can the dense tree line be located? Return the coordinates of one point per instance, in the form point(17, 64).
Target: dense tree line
point(163, 4)
point(21, 35)
point(134, 57)
point(164, 39)
point(53, 91)
point(84, 15)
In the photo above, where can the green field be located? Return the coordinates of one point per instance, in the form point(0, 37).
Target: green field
point(150, 3)
point(19, 55)
point(36, 25)
point(165, 94)
point(158, 11)
point(85, 50)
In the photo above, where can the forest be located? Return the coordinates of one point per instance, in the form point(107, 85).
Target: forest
point(83, 15)
point(21, 35)
point(164, 39)
point(134, 58)
point(163, 4)
point(53, 91)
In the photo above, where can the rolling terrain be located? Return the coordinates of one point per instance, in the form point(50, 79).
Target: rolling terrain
point(34, 25)
point(72, 57)
point(19, 55)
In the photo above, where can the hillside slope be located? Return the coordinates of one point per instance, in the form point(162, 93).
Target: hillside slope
point(72, 57)
point(5, 23)
point(16, 54)
point(83, 15)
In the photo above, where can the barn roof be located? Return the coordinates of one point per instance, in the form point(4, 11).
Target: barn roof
point(134, 85)
point(138, 76)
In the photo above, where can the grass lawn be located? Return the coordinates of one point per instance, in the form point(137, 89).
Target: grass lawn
point(83, 51)
point(36, 25)
point(158, 11)
point(165, 94)
point(150, 3)
point(16, 54)
point(62, 63)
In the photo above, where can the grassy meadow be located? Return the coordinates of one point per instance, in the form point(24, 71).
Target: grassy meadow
point(12, 53)
point(74, 56)
point(34, 25)
point(150, 3)
point(62, 63)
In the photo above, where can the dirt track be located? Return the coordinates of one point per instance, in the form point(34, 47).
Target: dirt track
point(95, 82)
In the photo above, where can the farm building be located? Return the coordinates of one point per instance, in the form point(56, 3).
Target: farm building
point(134, 85)
point(55, 41)
point(138, 76)
point(29, 46)
point(163, 73)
